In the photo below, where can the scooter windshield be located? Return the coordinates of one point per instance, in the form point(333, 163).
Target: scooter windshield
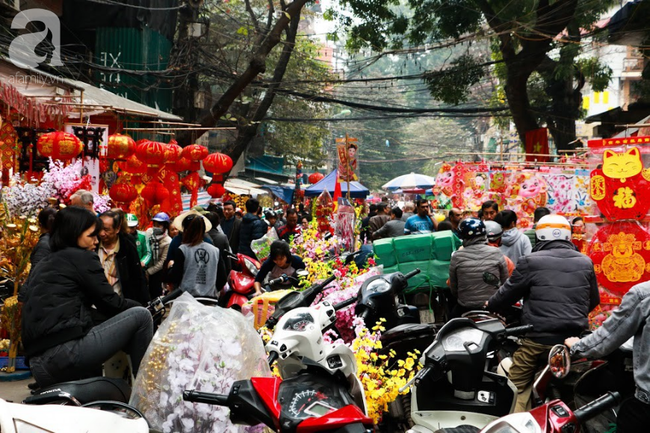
point(299, 322)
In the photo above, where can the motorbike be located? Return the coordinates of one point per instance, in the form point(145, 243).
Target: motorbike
point(458, 384)
point(313, 401)
point(240, 282)
point(111, 417)
point(579, 381)
point(554, 416)
point(114, 386)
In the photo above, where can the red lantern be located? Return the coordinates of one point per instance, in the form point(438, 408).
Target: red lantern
point(59, 145)
point(154, 192)
point(217, 163)
point(216, 190)
point(315, 177)
point(120, 146)
point(173, 152)
point(151, 152)
point(123, 193)
point(182, 164)
point(133, 165)
point(195, 152)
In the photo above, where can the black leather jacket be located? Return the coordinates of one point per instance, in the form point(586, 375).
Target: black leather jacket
point(58, 300)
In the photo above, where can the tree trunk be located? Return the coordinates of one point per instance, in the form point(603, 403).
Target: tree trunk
point(256, 66)
point(247, 132)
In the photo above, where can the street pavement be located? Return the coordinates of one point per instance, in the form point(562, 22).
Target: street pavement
point(15, 391)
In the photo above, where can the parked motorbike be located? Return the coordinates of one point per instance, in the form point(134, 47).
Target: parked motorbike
point(553, 416)
point(240, 282)
point(112, 417)
point(458, 384)
point(313, 401)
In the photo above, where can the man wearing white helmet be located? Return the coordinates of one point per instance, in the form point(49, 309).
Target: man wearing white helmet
point(559, 288)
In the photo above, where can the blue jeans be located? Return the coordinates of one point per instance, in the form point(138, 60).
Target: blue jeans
point(130, 331)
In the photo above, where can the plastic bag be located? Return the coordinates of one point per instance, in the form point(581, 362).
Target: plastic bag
point(262, 246)
point(199, 347)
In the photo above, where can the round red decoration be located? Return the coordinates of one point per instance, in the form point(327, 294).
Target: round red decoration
point(59, 145)
point(120, 146)
point(151, 152)
point(182, 164)
point(154, 192)
point(195, 152)
point(173, 152)
point(216, 190)
point(123, 193)
point(133, 165)
point(621, 255)
point(217, 163)
point(315, 177)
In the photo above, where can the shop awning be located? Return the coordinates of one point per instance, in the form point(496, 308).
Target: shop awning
point(40, 96)
point(242, 187)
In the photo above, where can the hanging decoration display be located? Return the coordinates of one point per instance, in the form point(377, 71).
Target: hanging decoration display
point(173, 157)
point(120, 147)
point(123, 194)
point(315, 177)
point(8, 144)
point(347, 150)
point(621, 255)
point(154, 192)
point(620, 187)
point(216, 190)
point(59, 145)
point(218, 164)
point(324, 210)
point(195, 153)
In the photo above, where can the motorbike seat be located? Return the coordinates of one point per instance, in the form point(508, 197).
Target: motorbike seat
point(85, 390)
point(459, 429)
point(408, 330)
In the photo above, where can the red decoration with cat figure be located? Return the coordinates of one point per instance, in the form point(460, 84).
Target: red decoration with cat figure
point(621, 256)
point(619, 187)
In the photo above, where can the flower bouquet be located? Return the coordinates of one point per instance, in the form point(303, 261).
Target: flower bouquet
point(198, 347)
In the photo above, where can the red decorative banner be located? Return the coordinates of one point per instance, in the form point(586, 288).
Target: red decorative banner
point(619, 187)
point(621, 255)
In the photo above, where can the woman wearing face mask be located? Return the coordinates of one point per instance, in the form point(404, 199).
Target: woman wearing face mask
point(159, 240)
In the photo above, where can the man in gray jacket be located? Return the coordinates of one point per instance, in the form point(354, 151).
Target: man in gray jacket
point(629, 320)
point(468, 265)
point(394, 227)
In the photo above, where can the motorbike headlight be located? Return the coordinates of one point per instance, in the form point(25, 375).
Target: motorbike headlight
point(251, 267)
point(25, 427)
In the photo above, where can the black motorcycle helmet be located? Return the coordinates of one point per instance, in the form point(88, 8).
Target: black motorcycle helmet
point(471, 228)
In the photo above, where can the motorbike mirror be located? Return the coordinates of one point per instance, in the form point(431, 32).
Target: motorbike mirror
point(491, 279)
point(559, 361)
point(349, 258)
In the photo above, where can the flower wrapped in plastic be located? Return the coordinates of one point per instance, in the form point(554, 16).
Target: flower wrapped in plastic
point(197, 347)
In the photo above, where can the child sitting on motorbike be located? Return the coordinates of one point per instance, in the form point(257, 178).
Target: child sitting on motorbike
point(279, 262)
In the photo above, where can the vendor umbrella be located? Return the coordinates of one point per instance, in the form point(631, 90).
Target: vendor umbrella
point(412, 181)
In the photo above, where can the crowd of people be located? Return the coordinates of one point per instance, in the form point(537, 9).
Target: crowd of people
point(92, 274)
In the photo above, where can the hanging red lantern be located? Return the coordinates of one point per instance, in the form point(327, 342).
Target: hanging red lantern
point(123, 193)
point(151, 152)
point(195, 152)
point(216, 190)
point(154, 192)
point(217, 163)
point(133, 165)
point(59, 145)
point(182, 164)
point(120, 146)
point(315, 177)
point(173, 152)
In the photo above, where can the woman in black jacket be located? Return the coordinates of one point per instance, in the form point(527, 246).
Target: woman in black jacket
point(57, 326)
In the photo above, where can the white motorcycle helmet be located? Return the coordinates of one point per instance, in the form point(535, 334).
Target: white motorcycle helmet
point(552, 228)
